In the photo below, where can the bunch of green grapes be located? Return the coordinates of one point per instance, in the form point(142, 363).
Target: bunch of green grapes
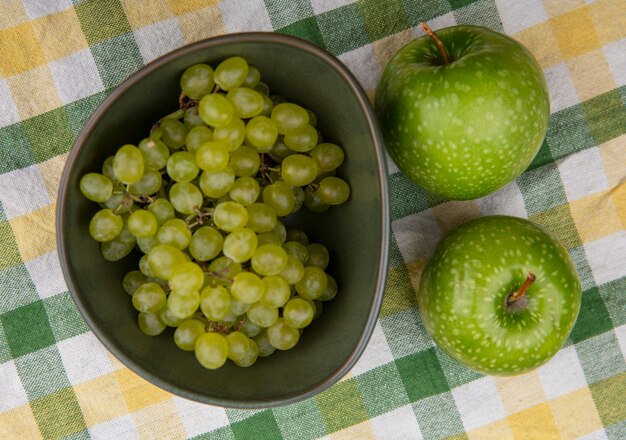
point(202, 197)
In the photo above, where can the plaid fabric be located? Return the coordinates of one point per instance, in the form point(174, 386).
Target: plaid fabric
point(59, 59)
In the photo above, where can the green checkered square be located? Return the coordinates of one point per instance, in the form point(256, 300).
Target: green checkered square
point(543, 157)
point(18, 289)
point(300, 420)
point(478, 12)
point(456, 374)
point(422, 375)
point(42, 372)
point(64, 317)
point(16, 151)
point(542, 189)
point(568, 132)
point(5, 353)
point(27, 329)
point(117, 59)
point(382, 388)
point(408, 198)
point(610, 363)
point(456, 4)
point(237, 415)
point(307, 29)
point(612, 295)
point(58, 414)
point(593, 319)
point(405, 333)
point(608, 396)
point(284, 12)
point(50, 134)
point(342, 406)
point(585, 275)
point(423, 10)
point(102, 20)
point(438, 416)
point(383, 18)
point(606, 116)
point(261, 425)
point(224, 433)
point(78, 112)
point(395, 256)
point(559, 222)
point(343, 29)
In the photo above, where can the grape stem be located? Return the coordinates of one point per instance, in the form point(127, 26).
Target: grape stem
point(438, 42)
point(217, 275)
point(522, 290)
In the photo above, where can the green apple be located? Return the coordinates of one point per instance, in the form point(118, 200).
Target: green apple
point(500, 295)
point(465, 117)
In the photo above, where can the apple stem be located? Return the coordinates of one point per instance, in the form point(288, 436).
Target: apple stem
point(438, 42)
point(522, 290)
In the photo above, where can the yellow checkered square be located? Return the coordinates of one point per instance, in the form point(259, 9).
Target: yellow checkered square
point(139, 15)
point(575, 414)
point(34, 92)
point(415, 269)
point(534, 423)
point(613, 155)
point(184, 6)
point(201, 24)
point(385, 48)
point(608, 19)
point(573, 33)
point(51, 171)
point(100, 399)
point(558, 7)
point(362, 431)
point(137, 392)
point(499, 430)
point(451, 214)
point(160, 420)
point(520, 392)
point(11, 13)
point(541, 41)
point(19, 50)
point(596, 216)
point(59, 34)
point(35, 232)
point(591, 74)
point(19, 424)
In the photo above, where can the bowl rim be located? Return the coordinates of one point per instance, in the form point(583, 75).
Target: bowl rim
point(85, 133)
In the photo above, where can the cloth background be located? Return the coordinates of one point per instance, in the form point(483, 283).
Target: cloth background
point(59, 59)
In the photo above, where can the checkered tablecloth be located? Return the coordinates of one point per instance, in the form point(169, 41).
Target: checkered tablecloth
point(59, 59)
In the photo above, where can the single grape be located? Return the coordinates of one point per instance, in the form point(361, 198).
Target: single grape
point(187, 334)
point(183, 305)
point(280, 230)
point(263, 344)
point(197, 136)
point(186, 198)
point(192, 119)
point(96, 187)
point(279, 196)
point(261, 132)
point(281, 336)
point(246, 102)
point(240, 245)
point(229, 320)
point(229, 216)
point(269, 259)
point(238, 345)
point(206, 243)
point(279, 150)
point(250, 356)
point(293, 271)
point(268, 106)
point(215, 110)
point(267, 238)
point(169, 319)
point(151, 324)
point(262, 88)
point(238, 308)
point(231, 73)
point(263, 316)
point(149, 298)
point(155, 154)
point(302, 140)
point(119, 203)
point(197, 81)
point(245, 161)
point(162, 210)
point(319, 307)
point(212, 156)
point(247, 288)
point(298, 195)
point(330, 291)
point(149, 183)
point(245, 190)
point(298, 170)
point(128, 165)
point(216, 185)
point(333, 191)
point(146, 244)
point(312, 201)
point(298, 312)
point(327, 156)
point(252, 78)
point(289, 118)
point(118, 248)
point(223, 270)
point(186, 277)
point(295, 234)
point(144, 267)
point(107, 169)
point(262, 218)
point(298, 250)
point(182, 166)
point(163, 258)
point(211, 350)
point(215, 302)
point(249, 328)
point(277, 292)
point(105, 225)
point(318, 255)
point(312, 118)
point(313, 283)
point(142, 224)
point(231, 135)
point(132, 280)
point(174, 133)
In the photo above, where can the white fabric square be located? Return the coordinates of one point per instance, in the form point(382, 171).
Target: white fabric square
point(376, 353)
point(600, 434)
point(583, 174)
point(417, 235)
point(11, 388)
point(392, 168)
point(490, 408)
point(199, 418)
point(245, 15)
point(40, 8)
point(363, 64)
point(120, 428)
point(399, 424)
point(84, 358)
point(45, 271)
point(607, 257)
point(76, 76)
point(562, 374)
point(620, 334)
point(158, 39)
point(561, 87)
point(23, 191)
point(320, 6)
point(519, 15)
point(615, 54)
point(506, 201)
point(9, 114)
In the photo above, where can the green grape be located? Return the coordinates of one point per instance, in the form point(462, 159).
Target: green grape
point(298, 195)
point(231, 73)
point(151, 324)
point(280, 230)
point(175, 233)
point(261, 132)
point(206, 243)
point(266, 237)
point(319, 307)
point(277, 292)
point(149, 298)
point(252, 78)
point(229, 320)
point(238, 345)
point(212, 156)
point(312, 201)
point(96, 187)
point(240, 244)
point(262, 88)
point(197, 81)
point(302, 140)
point(251, 356)
point(261, 218)
point(321, 175)
point(169, 319)
point(247, 288)
point(144, 267)
point(232, 135)
point(146, 244)
point(211, 350)
point(298, 170)
point(142, 224)
point(293, 271)
point(198, 316)
point(107, 169)
point(246, 102)
point(197, 136)
point(163, 258)
point(183, 305)
point(327, 156)
point(223, 269)
point(268, 106)
point(298, 250)
point(238, 308)
point(162, 210)
point(279, 150)
point(249, 328)
point(330, 291)
point(245, 190)
point(312, 118)
point(333, 191)
point(263, 344)
point(269, 259)
point(216, 185)
point(281, 336)
point(186, 198)
point(245, 161)
point(105, 225)
point(187, 334)
point(176, 114)
point(117, 248)
point(289, 118)
point(263, 316)
point(149, 183)
point(229, 216)
point(182, 166)
point(215, 302)
point(279, 196)
point(186, 277)
point(155, 154)
point(174, 133)
point(128, 165)
point(318, 255)
point(215, 110)
point(192, 119)
point(298, 312)
point(313, 283)
point(132, 280)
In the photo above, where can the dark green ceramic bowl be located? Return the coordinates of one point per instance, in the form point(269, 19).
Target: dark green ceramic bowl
point(357, 233)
